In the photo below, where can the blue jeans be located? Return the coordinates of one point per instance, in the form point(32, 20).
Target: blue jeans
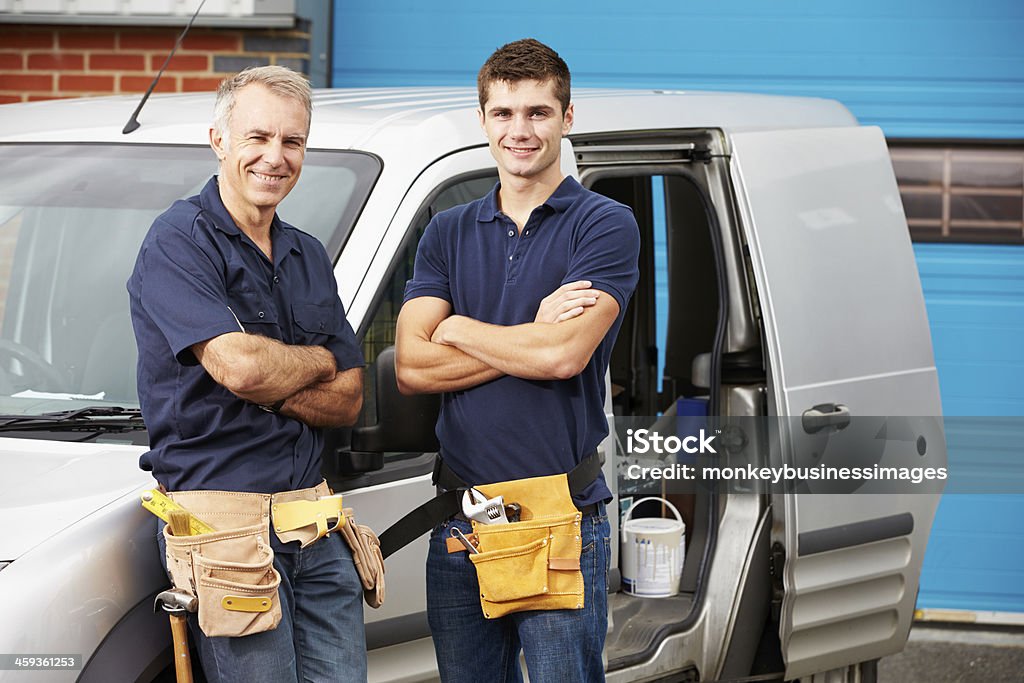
point(320, 637)
point(559, 645)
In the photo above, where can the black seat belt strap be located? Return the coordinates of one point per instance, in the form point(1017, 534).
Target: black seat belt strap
point(420, 521)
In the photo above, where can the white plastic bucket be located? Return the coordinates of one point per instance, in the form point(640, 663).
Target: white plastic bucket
point(652, 553)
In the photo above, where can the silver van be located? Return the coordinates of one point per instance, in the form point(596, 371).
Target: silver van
point(777, 282)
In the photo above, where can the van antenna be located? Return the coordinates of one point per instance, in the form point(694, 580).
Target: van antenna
point(133, 122)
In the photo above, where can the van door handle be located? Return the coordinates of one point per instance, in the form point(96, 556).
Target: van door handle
point(832, 416)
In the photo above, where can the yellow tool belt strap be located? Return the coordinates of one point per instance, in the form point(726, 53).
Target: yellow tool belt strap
point(303, 515)
point(291, 515)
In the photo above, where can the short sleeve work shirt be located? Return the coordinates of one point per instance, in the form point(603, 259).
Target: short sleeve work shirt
point(474, 257)
point(198, 276)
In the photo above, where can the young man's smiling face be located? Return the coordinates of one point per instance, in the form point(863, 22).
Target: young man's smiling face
point(261, 158)
point(524, 123)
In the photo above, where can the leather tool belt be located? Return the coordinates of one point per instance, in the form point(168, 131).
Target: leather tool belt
point(231, 570)
point(532, 564)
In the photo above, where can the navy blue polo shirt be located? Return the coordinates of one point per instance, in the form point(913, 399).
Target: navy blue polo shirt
point(195, 274)
point(473, 257)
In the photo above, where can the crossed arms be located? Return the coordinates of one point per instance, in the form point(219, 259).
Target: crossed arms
point(436, 352)
point(440, 352)
point(264, 371)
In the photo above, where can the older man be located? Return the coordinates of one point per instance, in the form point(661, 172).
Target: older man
point(245, 355)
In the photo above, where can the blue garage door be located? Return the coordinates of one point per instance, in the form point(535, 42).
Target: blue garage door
point(920, 69)
point(975, 300)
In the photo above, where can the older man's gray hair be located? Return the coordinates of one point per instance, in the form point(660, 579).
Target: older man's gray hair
point(277, 79)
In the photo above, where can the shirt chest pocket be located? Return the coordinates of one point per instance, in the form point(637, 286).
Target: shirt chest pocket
point(316, 322)
point(255, 314)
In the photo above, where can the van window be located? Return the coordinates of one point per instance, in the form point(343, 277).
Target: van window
point(380, 332)
point(72, 218)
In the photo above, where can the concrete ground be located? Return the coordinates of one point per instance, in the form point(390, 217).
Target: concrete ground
point(957, 654)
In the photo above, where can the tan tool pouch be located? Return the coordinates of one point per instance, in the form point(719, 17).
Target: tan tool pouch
point(367, 558)
point(533, 564)
point(231, 570)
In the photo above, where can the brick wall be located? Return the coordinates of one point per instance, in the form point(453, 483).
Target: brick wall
point(49, 62)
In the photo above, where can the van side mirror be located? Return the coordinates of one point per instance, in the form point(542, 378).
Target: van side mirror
point(404, 423)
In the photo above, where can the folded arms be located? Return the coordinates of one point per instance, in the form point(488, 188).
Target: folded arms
point(440, 352)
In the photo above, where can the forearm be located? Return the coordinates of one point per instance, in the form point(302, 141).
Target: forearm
point(263, 370)
point(335, 403)
point(423, 367)
point(530, 351)
point(537, 350)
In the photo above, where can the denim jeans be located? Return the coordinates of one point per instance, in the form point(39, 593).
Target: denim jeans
point(320, 637)
point(559, 645)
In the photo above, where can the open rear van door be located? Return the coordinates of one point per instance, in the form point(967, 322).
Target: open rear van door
point(846, 337)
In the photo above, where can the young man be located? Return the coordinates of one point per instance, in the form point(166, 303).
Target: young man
point(512, 312)
point(235, 390)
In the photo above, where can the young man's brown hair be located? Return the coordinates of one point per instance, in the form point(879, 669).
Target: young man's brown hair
point(524, 60)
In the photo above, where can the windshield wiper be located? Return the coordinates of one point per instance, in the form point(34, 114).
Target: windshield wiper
point(94, 411)
point(90, 418)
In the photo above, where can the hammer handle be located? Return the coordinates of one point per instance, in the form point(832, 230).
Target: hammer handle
point(182, 661)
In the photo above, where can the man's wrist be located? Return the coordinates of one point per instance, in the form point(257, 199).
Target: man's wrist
point(272, 407)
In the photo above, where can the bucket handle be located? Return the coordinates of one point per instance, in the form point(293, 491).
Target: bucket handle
point(626, 517)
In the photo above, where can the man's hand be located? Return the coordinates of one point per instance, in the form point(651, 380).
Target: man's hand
point(566, 302)
point(438, 337)
point(335, 403)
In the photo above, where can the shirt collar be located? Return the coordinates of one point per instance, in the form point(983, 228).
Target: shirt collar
point(560, 200)
point(567, 192)
point(489, 206)
point(209, 199)
point(284, 240)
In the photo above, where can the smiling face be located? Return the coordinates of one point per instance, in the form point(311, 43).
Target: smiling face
point(262, 151)
point(525, 124)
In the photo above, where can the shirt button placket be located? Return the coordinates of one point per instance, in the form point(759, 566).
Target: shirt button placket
point(510, 275)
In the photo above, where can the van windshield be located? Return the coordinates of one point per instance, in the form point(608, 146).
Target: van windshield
point(72, 218)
